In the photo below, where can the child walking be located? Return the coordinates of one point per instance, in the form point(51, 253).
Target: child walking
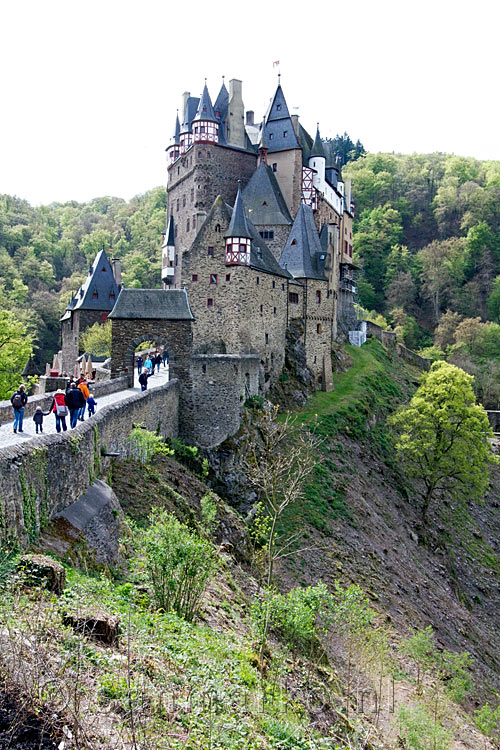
point(91, 403)
point(38, 419)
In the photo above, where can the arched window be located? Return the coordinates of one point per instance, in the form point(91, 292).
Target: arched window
point(319, 328)
point(318, 297)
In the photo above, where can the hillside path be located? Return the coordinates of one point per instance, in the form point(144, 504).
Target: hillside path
point(8, 437)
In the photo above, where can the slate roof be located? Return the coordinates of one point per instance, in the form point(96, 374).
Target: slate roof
point(152, 304)
point(222, 102)
point(278, 127)
point(99, 290)
point(177, 129)
point(170, 233)
point(317, 148)
point(263, 189)
point(303, 255)
point(238, 226)
point(189, 113)
point(305, 142)
point(205, 110)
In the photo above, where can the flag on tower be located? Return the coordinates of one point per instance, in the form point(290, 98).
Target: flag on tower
point(277, 62)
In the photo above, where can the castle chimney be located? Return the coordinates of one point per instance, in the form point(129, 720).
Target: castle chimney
point(235, 123)
point(185, 98)
point(116, 265)
point(250, 117)
point(295, 123)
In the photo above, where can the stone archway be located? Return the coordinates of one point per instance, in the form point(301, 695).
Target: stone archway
point(162, 343)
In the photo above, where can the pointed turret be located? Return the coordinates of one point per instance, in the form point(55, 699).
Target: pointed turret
point(278, 124)
point(303, 255)
point(205, 125)
point(221, 102)
point(238, 236)
point(263, 147)
point(317, 161)
point(173, 151)
point(168, 253)
point(189, 108)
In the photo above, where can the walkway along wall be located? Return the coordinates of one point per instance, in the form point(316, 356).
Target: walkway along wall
point(40, 478)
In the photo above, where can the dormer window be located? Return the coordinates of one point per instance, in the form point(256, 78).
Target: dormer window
point(264, 203)
point(111, 295)
point(278, 107)
point(285, 133)
point(103, 269)
point(270, 136)
point(293, 242)
point(94, 294)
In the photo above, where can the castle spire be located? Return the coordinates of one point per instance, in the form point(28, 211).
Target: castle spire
point(238, 236)
point(317, 148)
point(205, 125)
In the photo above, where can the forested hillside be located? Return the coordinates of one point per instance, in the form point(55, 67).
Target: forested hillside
point(427, 235)
point(45, 253)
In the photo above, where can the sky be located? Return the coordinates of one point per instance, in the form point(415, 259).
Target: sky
point(90, 89)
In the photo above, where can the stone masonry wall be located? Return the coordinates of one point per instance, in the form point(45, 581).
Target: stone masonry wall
point(318, 329)
point(281, 232)
point(43, 477)
point(220, 385)
point(70, 333)
point(194, 182)
point(45, 399)
point(248, 309)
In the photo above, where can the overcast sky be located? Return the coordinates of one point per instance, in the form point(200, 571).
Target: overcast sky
point(90, 89)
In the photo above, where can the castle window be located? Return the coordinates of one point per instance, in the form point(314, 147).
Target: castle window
point(274, 284)
point(192, 195)
point(217, 113)
point(178, 170)
point(103, 269)
point(204, 369)
point(345, 247)
point(200, 154)
point(257, 280)
point(217, 227)
point(194, 221)
point(243, 249)
point(183, 201)
point(285, 133)
point(282, 287)
point(187, 225)
point(350, 250)
point(104, 317)
point(95, 295)
point(196, 130)
point(274, 310)
point(318, 297)
point(293, 242)
point(267, 338)
point(202, 129)
point(209, 155)
point(178, 204)
point(210, 302)
point(176, 259)
point(293, 298)
point(228, 277)
point(210, 251)
point(278, 107)
point(264, 203)
point(319, 328)
point(262, 308)
point(213, 278)
point(111, 295)
point(275, 167)
point(194, 277)
point(270, 136)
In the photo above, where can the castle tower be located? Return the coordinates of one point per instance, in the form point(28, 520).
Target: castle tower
point(235, 120)
point(317, 161)
point(205, 128)
point(174, 149)
point(238, 236)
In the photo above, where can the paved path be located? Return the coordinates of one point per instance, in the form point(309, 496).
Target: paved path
point(8, 437)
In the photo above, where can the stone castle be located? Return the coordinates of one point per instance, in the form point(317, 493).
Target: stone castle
point(258, 240)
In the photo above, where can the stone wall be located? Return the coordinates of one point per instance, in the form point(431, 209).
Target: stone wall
point(281, 232)
point(241, 307)
point(388, 339)
point(71, 329)
point(40, 478)
point(221, 383)
point(494, 418)
point(318, 327)
point(413, 358)
point(287, 166)
point(195, 180)
point(44, 400)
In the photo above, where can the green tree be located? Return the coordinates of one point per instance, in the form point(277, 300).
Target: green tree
point(443, 437)
point(15, 350)
point(493, 303)
point(96, 340)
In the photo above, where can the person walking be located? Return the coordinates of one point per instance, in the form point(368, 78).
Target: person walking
point(143, 379)
point(75, 401)
point(158, 361)
point(82, 385)
point(164, 356)
point(148, 365)
point(91, 403)
point(38, 418)
point(19, 399)
point(60, 409)
point(139, 364)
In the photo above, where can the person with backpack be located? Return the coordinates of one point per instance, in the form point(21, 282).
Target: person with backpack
point(74, 401)
point(60, 409)
point(19, 399)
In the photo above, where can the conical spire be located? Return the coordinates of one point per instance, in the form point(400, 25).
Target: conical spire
point(205, 110)
point(317, 148)
point(177, 129)
point(222, 101)
point(170, 239)
point(238, 226)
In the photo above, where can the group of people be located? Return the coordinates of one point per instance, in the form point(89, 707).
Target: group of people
point(71, 402)
point(146, 367)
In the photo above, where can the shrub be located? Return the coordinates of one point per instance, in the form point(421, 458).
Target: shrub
point(145, 444)
point(178, 564)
